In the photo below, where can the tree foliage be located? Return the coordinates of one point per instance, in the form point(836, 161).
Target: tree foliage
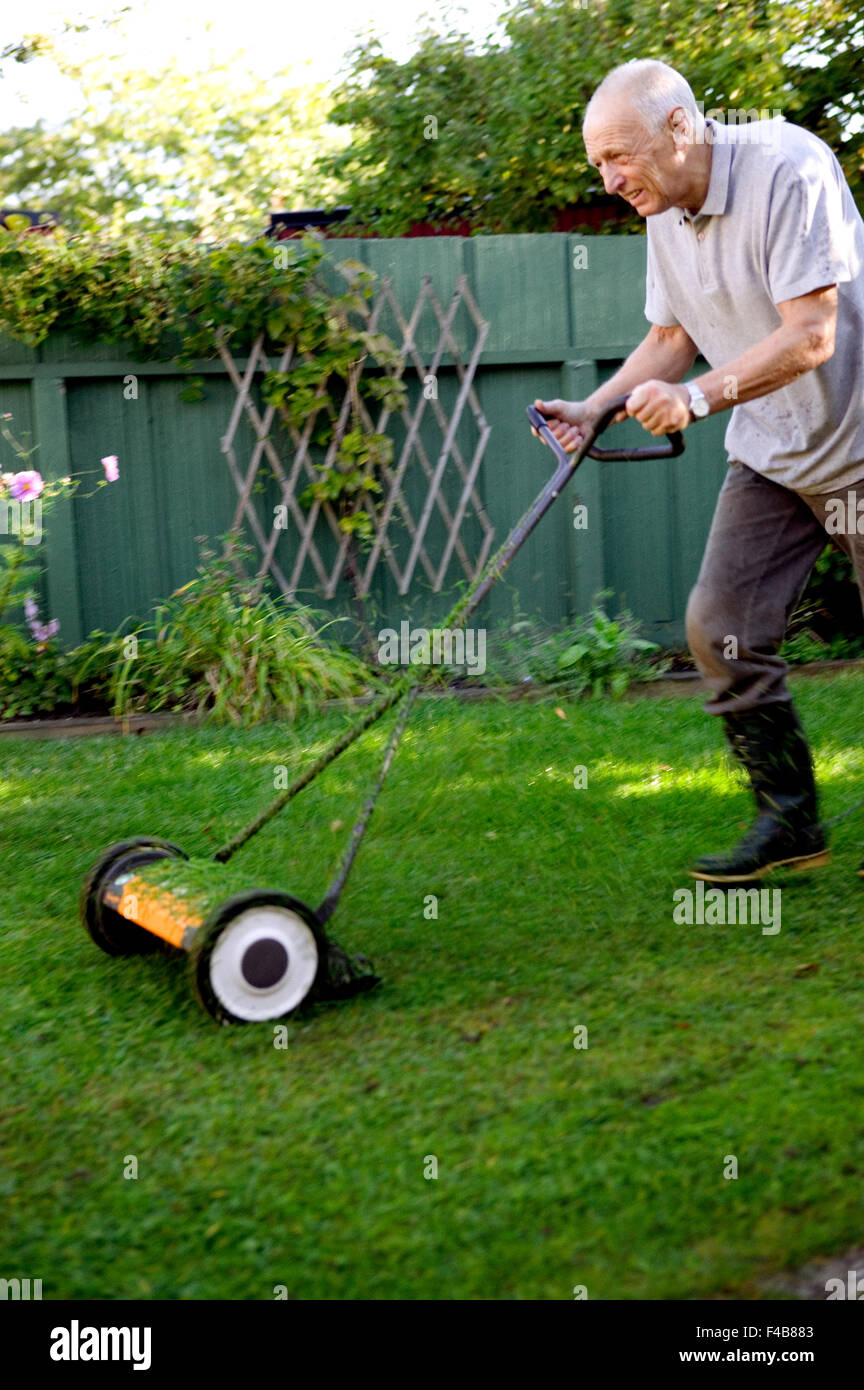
point(47, 43)
point(207, 151)
point(487, 131)
point(491, 132)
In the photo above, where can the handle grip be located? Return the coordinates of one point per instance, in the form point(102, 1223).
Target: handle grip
point(671, 449)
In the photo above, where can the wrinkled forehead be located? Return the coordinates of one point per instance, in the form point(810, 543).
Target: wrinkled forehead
point(613, 124)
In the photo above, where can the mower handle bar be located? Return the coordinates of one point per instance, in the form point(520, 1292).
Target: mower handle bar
point(671, 449)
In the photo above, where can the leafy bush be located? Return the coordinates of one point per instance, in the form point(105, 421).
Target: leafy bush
point(607, 655)
point(828, 624)
point(804, 646)
point(33, 680)
point(39, 677)
point(601, 655)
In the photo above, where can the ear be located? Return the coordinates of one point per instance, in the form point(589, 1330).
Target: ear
point(680, 124)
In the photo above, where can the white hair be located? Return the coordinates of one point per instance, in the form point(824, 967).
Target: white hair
point(652, 89)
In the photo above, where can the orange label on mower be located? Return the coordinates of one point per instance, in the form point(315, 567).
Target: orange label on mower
point(156, 910)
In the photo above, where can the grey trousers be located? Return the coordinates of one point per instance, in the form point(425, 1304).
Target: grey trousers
point(764, 541)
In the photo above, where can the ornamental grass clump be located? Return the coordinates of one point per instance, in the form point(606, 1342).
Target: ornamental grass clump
point(217, 649)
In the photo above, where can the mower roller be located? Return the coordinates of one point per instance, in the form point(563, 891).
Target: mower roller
point(260, 954)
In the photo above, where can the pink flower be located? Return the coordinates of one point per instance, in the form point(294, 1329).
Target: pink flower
point(40, 632)
point(112, 472)
point(26, 485)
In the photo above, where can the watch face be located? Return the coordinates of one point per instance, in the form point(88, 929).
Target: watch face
point(700, 407)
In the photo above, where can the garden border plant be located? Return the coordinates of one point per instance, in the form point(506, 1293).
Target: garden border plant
point(36, 675)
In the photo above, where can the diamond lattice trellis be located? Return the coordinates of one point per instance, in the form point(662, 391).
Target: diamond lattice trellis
point(285, 553)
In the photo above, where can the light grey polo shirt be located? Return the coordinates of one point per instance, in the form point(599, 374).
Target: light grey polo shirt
point(778, 221)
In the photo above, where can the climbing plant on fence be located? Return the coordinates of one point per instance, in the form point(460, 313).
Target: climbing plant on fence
point(167, 296)
point(309, 327)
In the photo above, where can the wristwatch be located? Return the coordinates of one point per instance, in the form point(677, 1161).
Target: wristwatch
point(699, 406)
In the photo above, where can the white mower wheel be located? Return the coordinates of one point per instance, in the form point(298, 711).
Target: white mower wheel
point(259, 963)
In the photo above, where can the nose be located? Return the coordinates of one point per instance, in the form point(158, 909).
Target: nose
point(613, 179)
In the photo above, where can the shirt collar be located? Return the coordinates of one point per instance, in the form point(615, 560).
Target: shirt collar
point(718, 184)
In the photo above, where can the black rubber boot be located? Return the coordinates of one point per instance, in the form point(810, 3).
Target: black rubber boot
point(772, 747)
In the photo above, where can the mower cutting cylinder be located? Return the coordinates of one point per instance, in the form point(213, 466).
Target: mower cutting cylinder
point(254, 955)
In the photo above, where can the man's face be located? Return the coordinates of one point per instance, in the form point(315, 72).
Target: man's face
point(641, 166)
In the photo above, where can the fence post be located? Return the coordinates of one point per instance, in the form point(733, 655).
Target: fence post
point(60, 546)
point(585, 560)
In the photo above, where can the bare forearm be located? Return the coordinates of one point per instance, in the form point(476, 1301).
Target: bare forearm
point(805, 339)
point(774, 362)
point(663, 355)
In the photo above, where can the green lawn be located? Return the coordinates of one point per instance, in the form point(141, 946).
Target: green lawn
point(557, 1167)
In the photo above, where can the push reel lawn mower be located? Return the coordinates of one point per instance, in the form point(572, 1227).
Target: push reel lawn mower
point(259, 955)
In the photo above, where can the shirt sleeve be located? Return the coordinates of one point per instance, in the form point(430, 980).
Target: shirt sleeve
point(657, 307)
point(810, 237)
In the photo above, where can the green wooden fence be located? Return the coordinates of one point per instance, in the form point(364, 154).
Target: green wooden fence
point(563, 312)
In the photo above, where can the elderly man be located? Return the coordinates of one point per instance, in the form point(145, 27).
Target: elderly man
point(756, 261)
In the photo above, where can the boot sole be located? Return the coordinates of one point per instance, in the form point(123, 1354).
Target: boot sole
point(798, 864)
